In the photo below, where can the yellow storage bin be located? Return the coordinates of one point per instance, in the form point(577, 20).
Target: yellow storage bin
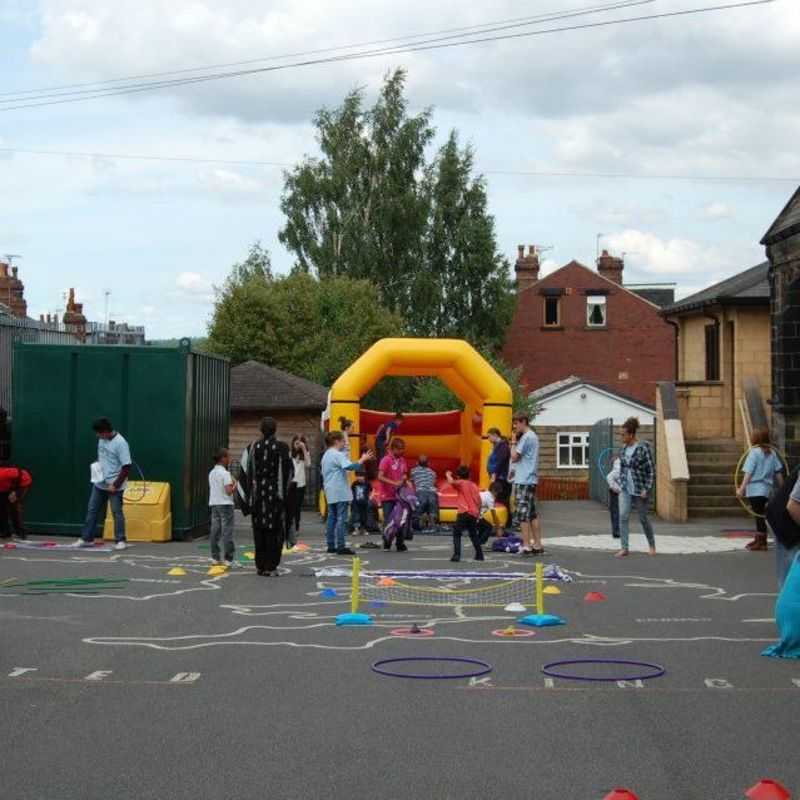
point(148, 513)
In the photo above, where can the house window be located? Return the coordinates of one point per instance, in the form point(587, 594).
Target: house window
point(573, 450)
point(712, 352)
point(596, 311)
point(552, 311)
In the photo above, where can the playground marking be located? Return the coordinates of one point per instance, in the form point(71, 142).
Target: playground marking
point(666, 545)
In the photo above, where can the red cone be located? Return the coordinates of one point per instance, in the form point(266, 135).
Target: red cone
point(620, 794)
point(594, 597)
point(768, 790)
point(9, 546)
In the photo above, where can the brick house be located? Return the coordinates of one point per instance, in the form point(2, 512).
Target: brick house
point(577, 321)
point(259, 391)
point(782, 241)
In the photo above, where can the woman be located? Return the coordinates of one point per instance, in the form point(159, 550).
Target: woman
point(637, 478)
point(266, 469)
point(301, 463)
point(762, 470)
point(497, 467)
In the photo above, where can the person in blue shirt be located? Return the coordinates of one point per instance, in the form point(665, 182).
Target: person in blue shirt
point(384, 434)
point(525, 476)
point(335, 466)
point(762, 470)
point(109, 479)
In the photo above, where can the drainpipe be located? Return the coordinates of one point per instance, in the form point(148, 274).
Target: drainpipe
point(676, 348)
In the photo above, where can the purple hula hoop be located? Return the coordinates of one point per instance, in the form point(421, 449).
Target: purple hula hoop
point(483, 668)
point(658, 670)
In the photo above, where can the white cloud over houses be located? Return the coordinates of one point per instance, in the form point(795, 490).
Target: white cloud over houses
point(717, 210)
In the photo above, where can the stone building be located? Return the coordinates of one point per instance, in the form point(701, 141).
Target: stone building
point(577, 321)
point(782, 241)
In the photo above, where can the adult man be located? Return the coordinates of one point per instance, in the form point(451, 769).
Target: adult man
point(525, 461)
point(109, 479)
point(266, 469)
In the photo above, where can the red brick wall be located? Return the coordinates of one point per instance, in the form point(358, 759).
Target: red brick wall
point(630, 355)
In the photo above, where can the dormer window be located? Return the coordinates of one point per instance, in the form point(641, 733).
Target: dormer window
point(596, 311)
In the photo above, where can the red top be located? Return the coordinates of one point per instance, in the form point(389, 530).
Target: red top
point(13, 478)
point(395, 469)
point(469, 498)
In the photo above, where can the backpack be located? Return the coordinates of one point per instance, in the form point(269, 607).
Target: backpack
point(783, 526)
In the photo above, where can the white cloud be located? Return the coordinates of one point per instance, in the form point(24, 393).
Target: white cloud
point(193, 284)
point(653, 255)
point(717, 210)
point(226, 181)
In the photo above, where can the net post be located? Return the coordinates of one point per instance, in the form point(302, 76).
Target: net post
point(539, 588)
point(355, 586)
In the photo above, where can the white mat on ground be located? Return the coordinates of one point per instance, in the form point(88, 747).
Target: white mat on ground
point(669, 545)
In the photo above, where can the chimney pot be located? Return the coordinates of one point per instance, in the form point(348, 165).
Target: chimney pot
point(521, 250)
point(14, 271)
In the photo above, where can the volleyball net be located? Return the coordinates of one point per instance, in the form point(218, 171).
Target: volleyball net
point(449, 590)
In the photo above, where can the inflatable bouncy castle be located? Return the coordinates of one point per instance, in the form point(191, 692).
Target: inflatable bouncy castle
point(450, 438)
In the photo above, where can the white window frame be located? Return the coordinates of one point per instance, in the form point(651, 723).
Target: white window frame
point(580, 438)
point(596, 300)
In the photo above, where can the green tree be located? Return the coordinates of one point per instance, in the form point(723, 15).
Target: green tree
point(373, 206)
point(298, 323)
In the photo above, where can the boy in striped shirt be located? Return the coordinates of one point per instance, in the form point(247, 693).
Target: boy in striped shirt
point(424, 479)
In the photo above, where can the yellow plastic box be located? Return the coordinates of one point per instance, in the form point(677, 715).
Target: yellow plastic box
point(148, 513)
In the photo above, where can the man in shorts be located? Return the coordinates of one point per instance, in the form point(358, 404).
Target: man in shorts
point(525, 467)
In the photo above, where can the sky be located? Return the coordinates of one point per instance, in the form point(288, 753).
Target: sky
point(676, 104)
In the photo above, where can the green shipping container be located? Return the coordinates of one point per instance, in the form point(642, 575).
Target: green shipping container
point(172, 405)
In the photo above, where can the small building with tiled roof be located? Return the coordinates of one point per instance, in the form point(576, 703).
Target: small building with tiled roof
point(258, 391)
point(723, 341)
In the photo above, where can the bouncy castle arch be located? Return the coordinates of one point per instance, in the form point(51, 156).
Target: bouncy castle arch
point(486, 396)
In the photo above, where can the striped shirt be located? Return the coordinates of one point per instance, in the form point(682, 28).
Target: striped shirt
point(424, 479)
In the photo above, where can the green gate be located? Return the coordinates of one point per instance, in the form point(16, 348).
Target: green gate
point(601, 444)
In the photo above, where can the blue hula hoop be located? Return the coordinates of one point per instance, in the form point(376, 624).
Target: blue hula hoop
point(482, 668)
point(550, 671)
point(601, 466)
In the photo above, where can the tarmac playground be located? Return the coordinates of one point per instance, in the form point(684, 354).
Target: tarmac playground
point(119, 680)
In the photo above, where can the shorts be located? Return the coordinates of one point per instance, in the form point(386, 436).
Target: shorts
point(525, 502)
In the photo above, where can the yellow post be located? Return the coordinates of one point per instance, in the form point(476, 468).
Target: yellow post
point(540, 588)
point(355, 586)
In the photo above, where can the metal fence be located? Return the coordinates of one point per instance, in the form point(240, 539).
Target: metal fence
point(13, 330)
point(601, 442)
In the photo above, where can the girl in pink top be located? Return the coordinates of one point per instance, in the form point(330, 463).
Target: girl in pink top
point(392, 474)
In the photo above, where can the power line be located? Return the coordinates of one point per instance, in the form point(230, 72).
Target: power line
point(478, 28)
point(497, 172)
point(387, 51)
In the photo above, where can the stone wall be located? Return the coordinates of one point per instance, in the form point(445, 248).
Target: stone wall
point(672, 469)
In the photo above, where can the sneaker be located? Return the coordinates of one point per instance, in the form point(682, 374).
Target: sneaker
point(455, 558)
point(332, 550)
point(274, 574)
point(344, 551)
point(479, 558)
point(230, 564)
point(387, 545)
point(537, 551)
point(83, 543)
point(401, 548)
point(121, 545)
point(216, 562)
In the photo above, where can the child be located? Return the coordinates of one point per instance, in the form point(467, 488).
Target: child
point(335, 466)
point(14, 485)
point(221, 487)
point(488, 499)
point(359, 508)
point(392, 474)
point(424, 479)
point(614, 489)
point(469, 509)
point(384, 434)
point(762, 470)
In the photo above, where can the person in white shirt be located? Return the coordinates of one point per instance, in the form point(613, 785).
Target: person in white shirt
point(301, 463)
point(221, 487)
point(488, 499)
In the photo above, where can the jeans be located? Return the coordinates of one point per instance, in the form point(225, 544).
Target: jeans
point(642, 505)
point(336, 525)
point(428, 505)
point(96, 514)
point(784, 557)
point(222, 530)
point(613, 510)
point(359, 515)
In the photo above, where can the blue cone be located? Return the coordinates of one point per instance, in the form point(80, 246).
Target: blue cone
point(541, 620)
point(329, 593)
point(354, 619)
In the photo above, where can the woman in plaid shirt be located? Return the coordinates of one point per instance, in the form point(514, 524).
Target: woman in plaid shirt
point(637, 478)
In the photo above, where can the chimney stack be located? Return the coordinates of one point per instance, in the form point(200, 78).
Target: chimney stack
point(526, 268)
point(610, 267)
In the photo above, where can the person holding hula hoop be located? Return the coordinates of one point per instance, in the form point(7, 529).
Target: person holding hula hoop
point(762, 471)
point(637, 478)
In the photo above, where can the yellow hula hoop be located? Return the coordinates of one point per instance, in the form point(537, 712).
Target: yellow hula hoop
point(738, 469)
